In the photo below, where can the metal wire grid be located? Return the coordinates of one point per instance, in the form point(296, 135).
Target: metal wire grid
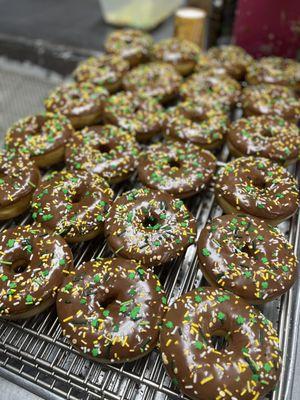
point(34, 351)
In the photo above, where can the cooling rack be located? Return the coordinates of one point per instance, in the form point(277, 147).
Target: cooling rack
point(35, 355)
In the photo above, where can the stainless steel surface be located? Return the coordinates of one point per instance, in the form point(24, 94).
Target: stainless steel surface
point(34, 354)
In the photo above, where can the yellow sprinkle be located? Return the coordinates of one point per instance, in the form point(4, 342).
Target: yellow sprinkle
point(68, 318)
point(208, 379)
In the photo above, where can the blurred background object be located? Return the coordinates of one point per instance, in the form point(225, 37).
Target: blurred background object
point(268, 27)
point(141, 14)
point(190, 24)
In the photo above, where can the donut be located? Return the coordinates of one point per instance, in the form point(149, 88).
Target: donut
point(72, 204)
point(111, 309)
point(32, 266)
point(206, 65)
point(259, 187)
point(234, 59)
point(19, 178)
point(266, 136)
point(82, 103)
point(274, 70)
point(149, 226)
point(106, 150)
point(181, 169)
point(246, 364)
point(157, 80)
point(271, 99)
point(247, 256)
point(139, 115)
point(221, 87)
point(132, 45)
point(182, 123)
point(180, 53)
point(105, 70)
point(43, 137)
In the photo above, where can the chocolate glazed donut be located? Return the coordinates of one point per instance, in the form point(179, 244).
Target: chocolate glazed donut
point(33, 263)
point(72, 204)
point(108, 151)
point(111, 309)
point(266, 136)
point(149, 226)
point(246, 366)
point(259, 187)
point(248, 257)
point(181, 169)
point(43, 137)
point(19, 178)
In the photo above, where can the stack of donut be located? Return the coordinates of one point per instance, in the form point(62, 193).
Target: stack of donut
point(162, 111)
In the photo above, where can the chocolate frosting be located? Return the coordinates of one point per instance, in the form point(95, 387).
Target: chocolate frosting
point(40, 134)
point(259, 187)
point(105, 70)
point(108, 151)
point(175, 51)
point(224, 88)
point(111, 309)
point(181, 169)
point(76, 99)
point(233, 58)
point(157, 80)
point(248, 257)
point(137, 114)
point(271, 99)
point(131, 44)
point(32, 266)
point(73, 204)
point(19, 177)
point(274, 70)
point(149, 226)
point(246, 367)
point(266, 136)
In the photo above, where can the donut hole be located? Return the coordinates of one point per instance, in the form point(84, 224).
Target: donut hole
point(150, 221)
point(267, 133)
point(250, 251)
point(174, 163)
point(220, 340)
point(19, 266)
point(103, 148)
point(108, 301)
point(258, 182)
point(77, 196)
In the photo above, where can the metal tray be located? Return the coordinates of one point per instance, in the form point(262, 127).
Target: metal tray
point(35, 355)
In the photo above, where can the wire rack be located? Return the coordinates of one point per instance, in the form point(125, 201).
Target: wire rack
point(34, 354)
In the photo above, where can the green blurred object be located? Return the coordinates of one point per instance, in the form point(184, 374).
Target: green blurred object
point(141, 14)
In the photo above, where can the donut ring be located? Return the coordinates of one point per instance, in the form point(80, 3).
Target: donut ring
point(32, 266)
point(266, 136)
point(82, 103)
point(259, 187)
point(42, 137)
point(132, 45)
point(234, 59)
point(19, 178)
point(181, 54)
point(271, 99)
point(149, 226)
point(222, 87)
point(275, 70)
point(106, 150)
point(183, 124)
point(137, 114)
point(246, 367)
point(105, 70)
point(72, 204)
point(155, 80)
point(181, 169)
point(111, 310)
point(209, 66)
point(248, 257)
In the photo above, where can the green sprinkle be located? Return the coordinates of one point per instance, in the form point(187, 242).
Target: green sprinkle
point(199, 345)
point(11, 243)
point(240, 320)
point(264, 285)
point(62, 261)
point(106, 313)
point(97, 278)
point(29, 299)
point(206, 252)
point(134, 313)
point(169, 324)
point(221, 316)
point(95, 352)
